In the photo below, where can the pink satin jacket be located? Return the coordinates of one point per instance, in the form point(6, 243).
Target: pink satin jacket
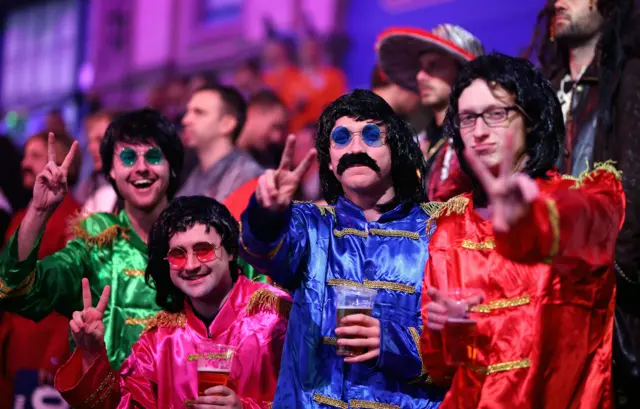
point(162, 368)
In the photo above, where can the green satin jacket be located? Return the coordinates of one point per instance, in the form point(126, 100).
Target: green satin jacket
point(107, 251)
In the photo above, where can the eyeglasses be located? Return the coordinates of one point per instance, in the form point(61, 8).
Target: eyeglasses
point(492, 117)
point(203, 250)
point(370, 134)
point(129, 156)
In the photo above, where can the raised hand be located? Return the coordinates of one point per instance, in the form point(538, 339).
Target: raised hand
point(441, 308)
point(87, 328)
point(51, 183)
point(510, 194)
point(276, 188)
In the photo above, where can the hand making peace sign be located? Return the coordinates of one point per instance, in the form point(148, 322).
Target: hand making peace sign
point(510, 194)
point(87, 328)
point(51, 183)
point(276, 188)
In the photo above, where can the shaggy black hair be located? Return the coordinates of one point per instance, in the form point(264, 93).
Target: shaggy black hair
point(144, 126)
point(407, 161)
point(532, 92)
point(620, 40)
point(181, 215)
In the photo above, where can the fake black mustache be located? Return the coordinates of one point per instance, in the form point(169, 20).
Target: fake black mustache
point(349, 160)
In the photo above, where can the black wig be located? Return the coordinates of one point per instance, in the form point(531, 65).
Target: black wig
point(182, 214)
point(407, 161)
point(619, 41)
point(532, 92)
point(143, 126)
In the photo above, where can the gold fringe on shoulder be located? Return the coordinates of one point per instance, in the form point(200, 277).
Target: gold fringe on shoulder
point(455, 205)
point(587, 174)
point(105, 237)
point(431, 207)
point(264, 300)
point(165, 319)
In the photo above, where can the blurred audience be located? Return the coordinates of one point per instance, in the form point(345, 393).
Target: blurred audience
point(214, 119)
point(265, 130)
point(46, 341)
point(96, 193)
point(247, 78)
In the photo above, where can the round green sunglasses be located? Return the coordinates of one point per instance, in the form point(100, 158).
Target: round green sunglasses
point(129, 156)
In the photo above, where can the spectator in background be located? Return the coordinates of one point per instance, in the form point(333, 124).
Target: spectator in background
point(96, 193)
point(403, 101)
point(13, 195)
point(428, 62)
point(310, 189)
point(42, 345)
point(320, 84)
point(247, 79)
point(214, 119)
point(265, 130)
point(54, 122)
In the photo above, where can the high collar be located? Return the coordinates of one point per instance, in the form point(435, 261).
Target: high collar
point(231, 308)
point(133, 238)
point(352, 211)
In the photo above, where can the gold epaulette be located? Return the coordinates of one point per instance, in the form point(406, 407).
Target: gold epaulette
point(264, 300)
point(104, 237)
point(322, 208)
point(456, 205)
point(587, 174)
point(165, 319)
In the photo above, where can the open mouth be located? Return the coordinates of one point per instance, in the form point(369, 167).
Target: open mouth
point(143, 184)
point(195, 277)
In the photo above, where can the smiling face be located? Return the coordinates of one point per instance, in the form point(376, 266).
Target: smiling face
point(141, 184)
point(488, 141)
point(353, 174)
point(198, 279)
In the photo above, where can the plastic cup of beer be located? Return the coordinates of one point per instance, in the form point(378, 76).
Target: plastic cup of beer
point(350, 301)
point(214, 365)
point(461, 330)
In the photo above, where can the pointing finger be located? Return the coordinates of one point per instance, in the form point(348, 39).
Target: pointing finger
point(70, 155)
point(51, 147)
point(86, 294)
point(104, 300)
point(287, 154)
point(304, 166)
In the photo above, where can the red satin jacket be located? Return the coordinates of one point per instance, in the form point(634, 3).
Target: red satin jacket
point(545, 327)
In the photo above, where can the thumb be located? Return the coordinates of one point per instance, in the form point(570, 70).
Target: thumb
point(435, 294)
point(474, 300)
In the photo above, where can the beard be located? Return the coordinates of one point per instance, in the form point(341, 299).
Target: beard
point(579, 29)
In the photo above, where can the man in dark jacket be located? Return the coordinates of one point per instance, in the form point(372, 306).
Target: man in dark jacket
point(590, 50)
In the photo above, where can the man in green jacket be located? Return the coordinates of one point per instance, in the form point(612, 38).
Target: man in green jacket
point(142, 157)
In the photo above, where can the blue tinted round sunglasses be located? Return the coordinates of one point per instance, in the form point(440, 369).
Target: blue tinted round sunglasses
point(129, 156)
point(370, 134)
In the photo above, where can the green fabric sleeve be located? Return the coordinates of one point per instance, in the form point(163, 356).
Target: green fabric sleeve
point(34, 289)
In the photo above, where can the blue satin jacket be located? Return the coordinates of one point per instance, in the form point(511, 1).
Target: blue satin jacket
point(319, 247)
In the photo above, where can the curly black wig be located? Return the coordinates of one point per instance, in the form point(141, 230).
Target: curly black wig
point(181, 215)
point(407, 161)
point(533, 93)
point(143, 126)
point(619, 41)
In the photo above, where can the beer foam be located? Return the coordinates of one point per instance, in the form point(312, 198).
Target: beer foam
point(215, 370)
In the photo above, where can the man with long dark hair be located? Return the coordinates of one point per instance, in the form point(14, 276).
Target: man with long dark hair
point(372, 234)
point(141, 156)
point(537, 247)
point(590, 49)
point(193, 249)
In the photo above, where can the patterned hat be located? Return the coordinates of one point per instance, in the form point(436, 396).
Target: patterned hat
point(399, 50)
